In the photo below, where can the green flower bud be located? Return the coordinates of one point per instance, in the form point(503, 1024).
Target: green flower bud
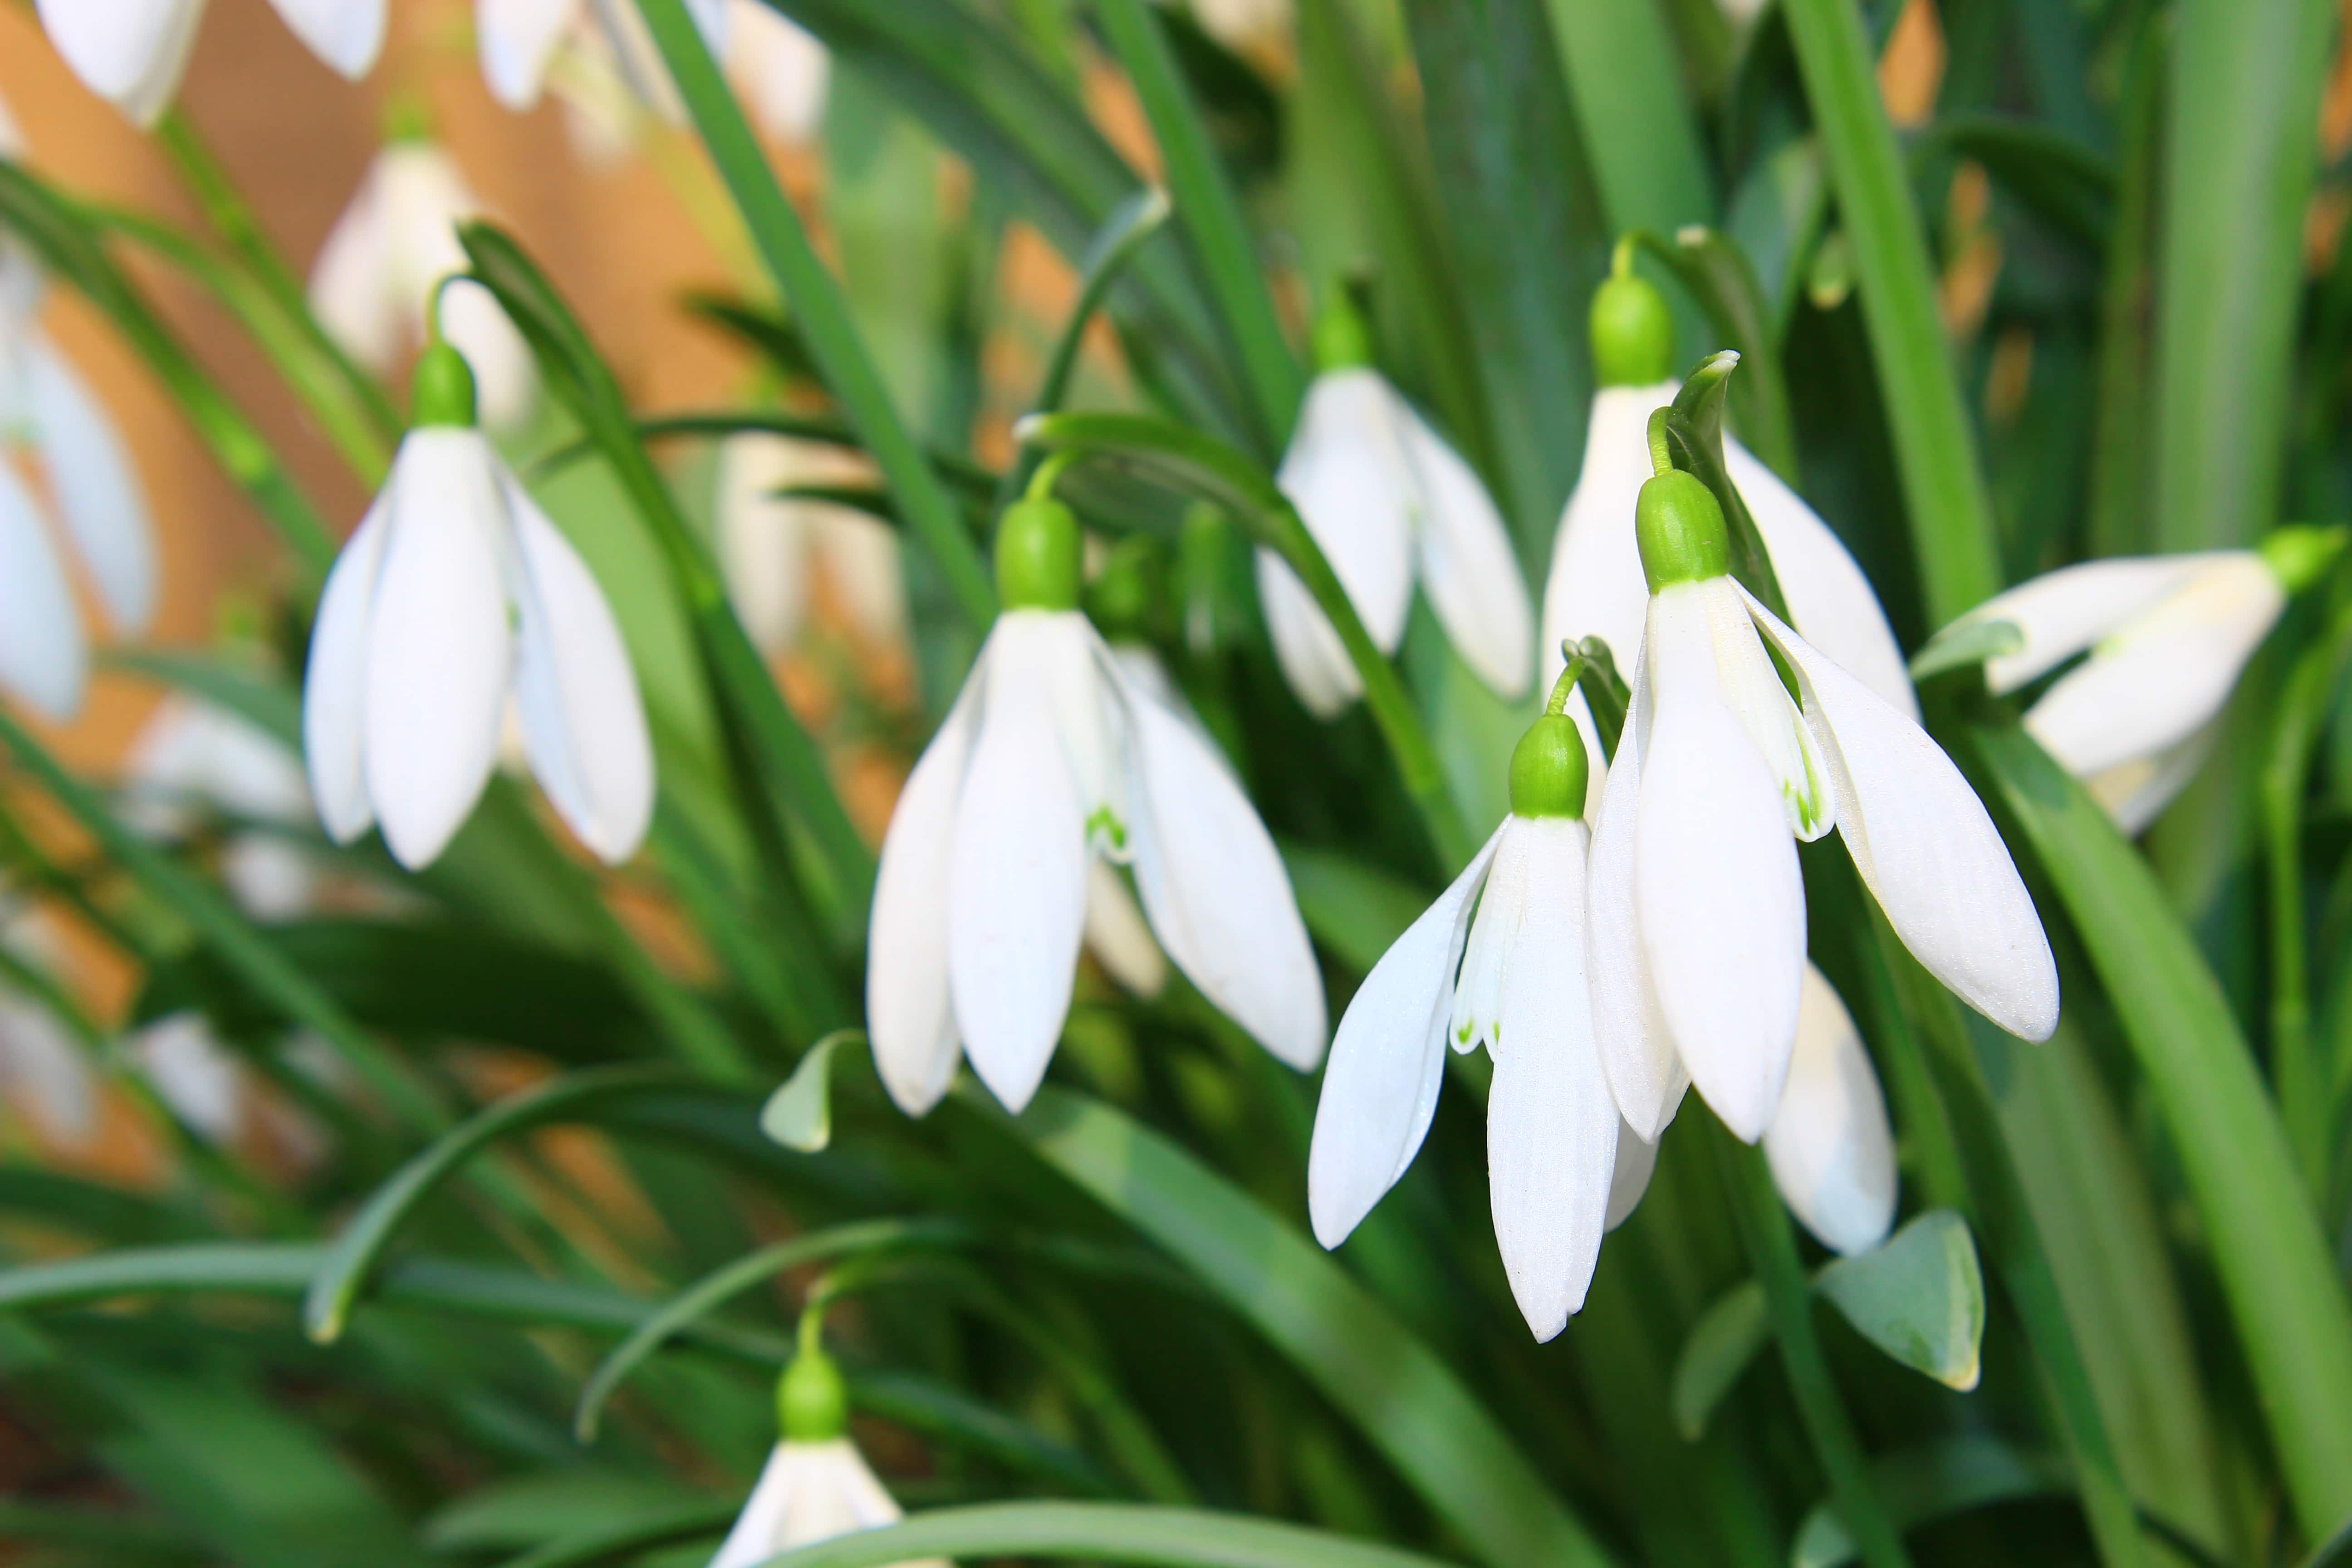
point(443, 392)
point(2301, 554)
point(1633, 332)
point(1548, 772)
point(1343, 339)
point(1680, 528)
point(1037, 555)
point(812, 1400)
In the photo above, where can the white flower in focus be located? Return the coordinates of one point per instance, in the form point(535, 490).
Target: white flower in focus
point(1831, 1147)
point(1049, 758)
point(133, 52)
point(1512, 980)
point(2167, 637)
point(455, 593)
point(1697, 927)
point(767, 541)
point(193, 753)
point(1388, 501)
point(781, 70)
point(377, 275)
point(54, 430)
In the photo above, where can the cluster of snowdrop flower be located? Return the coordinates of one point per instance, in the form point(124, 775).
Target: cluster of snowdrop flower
point(133, 52)
point(1053, 758)
point(55, 436)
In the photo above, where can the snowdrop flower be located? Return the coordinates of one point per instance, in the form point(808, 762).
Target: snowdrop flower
point(53, 425)
point(1049, 758)
point(1562, 1169)
point(1698, 920)
point(1241, 24)
point(454, 595)
point(767, 541)
point(521, 39)
point(1387, 500)
point(193, 1074)
point(194, 753)
point(376, 278)
point(1595, 589)
point(2167, 637)
point(816, 1485)
point(42, 1066)
point(780, 68)
point(133, 52)
point(1831, 1147)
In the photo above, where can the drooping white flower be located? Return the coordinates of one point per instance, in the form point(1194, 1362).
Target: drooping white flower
point(454, 594)
point(1513, 980)
point(767, 541)
point(2167, 637)
point(780, 68)
point(1697, 927)
point(54, 430)
point(385, 261)
point(133, 52)
point(193, 753)
point(520, 40)
point(1388, 502)
point(1831, 1146)
point(1050, 757)
point(193, 1074)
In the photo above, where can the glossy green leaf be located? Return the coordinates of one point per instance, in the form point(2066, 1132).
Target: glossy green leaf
point(1919, 1297)
point(1718, 276)
point(1722, 1345)
point(1100, 1532)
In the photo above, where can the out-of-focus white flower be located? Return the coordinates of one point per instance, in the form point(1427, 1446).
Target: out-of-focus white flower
point(133, 52)
point(2167, 637)
point(195, 753)
point(1697, 928)
point(377, 275)
point(452, 593)
point(1241, 24)
point(1831, 1147)
point(53, 428)
point(1050, 757)
point(42, 1066)
point(1513, 980)
point(1388, 501)
point(780, 68)
point(767, 541)
point(521, 42)
point(193, 1074)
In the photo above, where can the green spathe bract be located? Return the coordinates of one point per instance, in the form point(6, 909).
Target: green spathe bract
point(1633, 332)
point(1037, 555)
point(1681, 530)
point(444, 390)
point(1343, 341)
point(1549, 771)
point(812, 1400)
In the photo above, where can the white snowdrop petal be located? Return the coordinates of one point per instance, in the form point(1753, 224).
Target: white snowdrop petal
point(2165, 673)
point(518, 38)
point(439, 654)
point(97, 488)
point(1478, 990)
point(863, 564)
point(2061, 613)
point(781, 69)
point(1719, 902)
point(1595, 589)
point(1016, 877)
point(1831, 602)
point(2135, 793)
point(758, 1530)
point(352, 290)
point(1116, 935)
point(1213, 886)
point(334, 687)
point(1831, 1147)
point(584, 722)
point(1636, 1049)
point(1379, 1088)
point(909, 1014)
point(42, 656)
point(762, 543)
point(129, 52)
point(1637, 1161)
point(1306, 644)
point(504, 371)
point(1751, 688)
point(1925, 847)
point(1467, 568)
point(1551, 1123)
point(346, 34)
point(192, 1074)
point(42, 1066)
point(1346, 473)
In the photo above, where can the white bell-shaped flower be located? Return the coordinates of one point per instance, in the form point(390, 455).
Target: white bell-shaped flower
point(1595, 589)
point(2166, 635)
point(54, 430)
point(1831, 1146)
point(195, 754)
point(1388, 502)
point(1562, 1169)
point(1050, 757)
point(781, 70)
point(389, 259)
point(453, 595)
point(767, 541)
point(133, 52)
point(1697, 928)
point(520, 40)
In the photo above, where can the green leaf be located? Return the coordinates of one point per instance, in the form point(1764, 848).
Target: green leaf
point(526, 1511)
point(1406, 1401)
point(1719, 278)
point(1694, 431)
point(2293, 1324)
point(1953, 537)
point(1722, 1345)
point(2118, 521)
point(1919, 1297)
point(1356, 911)
point(798, 1115)
point(2067, 184)
point(628, 1537)
point(1965, 644)
point(1101, 1533)
point(1934, 1481)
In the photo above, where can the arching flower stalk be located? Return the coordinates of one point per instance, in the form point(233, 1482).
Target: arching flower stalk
point(1050, 759)
point(454, 596)
point(2167, 637)
point(133, 52)
point(1698, 925)
point(1388, 503)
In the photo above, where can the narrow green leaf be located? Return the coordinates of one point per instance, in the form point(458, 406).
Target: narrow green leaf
point(1718, 276)
point(1356, 911)
point(1643, 143)
point(616, 1540)
point(1694, 432)
point(1965, 644)
point(1921, 1485)
point(1919, 1297)
point(1953, 536)
point(1722, 1345)
point(1101, 1533)
point(1406, 1401)
point(2293, 1324)
point(2124, 420)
